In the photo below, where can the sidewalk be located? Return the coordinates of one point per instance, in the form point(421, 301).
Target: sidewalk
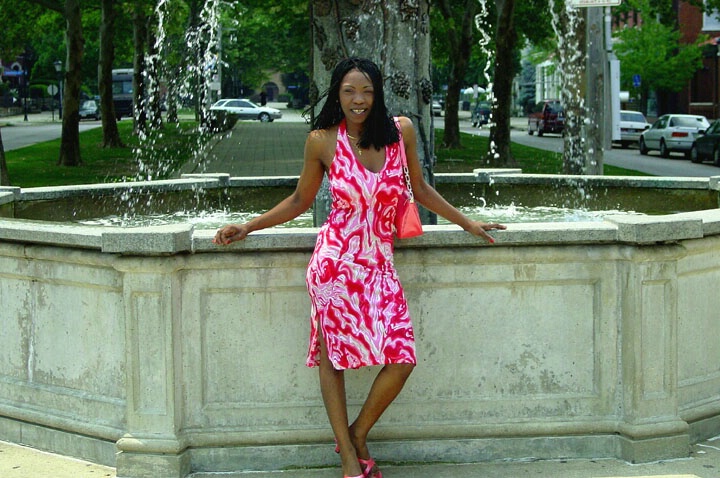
point(704, 462)
point(252, 148)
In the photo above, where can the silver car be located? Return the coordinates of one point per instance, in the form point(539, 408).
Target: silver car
point(246, 109)
point(632, 124)
point(673, 133)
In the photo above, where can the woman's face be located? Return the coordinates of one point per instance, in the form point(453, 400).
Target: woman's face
point(356, 96)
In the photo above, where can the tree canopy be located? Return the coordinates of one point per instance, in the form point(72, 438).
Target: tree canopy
point(653, 50)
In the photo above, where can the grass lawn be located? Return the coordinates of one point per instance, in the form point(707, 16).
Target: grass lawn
point(530, 160)
point(163, 151)
point(163, 154)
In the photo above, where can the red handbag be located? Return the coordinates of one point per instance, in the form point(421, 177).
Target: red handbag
point(407, 216)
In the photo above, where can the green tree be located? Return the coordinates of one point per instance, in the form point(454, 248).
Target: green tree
point(516, 23)
point(263, 36)
point(385, 32)
point(106, 58)
point(654, 51)
point(454, 35)
point(74, 42)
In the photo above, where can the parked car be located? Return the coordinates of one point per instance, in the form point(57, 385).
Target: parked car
point(548, 116)
point(673, 133)
point(632, 124)
point(246, 109)
point(89, 109)
point(436, 108)
point(707, 146)
point(481, 114)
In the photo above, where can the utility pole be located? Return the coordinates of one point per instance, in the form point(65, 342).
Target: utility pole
point(597, 75)
point(602, 102)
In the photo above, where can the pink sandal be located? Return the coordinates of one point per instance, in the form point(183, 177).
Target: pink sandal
point(368, 466)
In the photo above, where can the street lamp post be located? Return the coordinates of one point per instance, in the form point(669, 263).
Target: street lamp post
point(25, 88)
point(58, 69)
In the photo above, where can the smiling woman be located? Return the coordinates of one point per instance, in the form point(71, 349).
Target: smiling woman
point(359, 315)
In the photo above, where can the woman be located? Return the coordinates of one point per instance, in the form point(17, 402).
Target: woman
point(359, 314)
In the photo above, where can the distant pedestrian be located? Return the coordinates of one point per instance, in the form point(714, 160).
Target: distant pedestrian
point(263, 98)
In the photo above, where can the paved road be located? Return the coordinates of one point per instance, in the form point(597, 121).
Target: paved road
point(17, 133)
point(630, 158)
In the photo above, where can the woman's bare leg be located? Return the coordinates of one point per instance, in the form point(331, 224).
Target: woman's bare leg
point(386, 387)
point(332, 386)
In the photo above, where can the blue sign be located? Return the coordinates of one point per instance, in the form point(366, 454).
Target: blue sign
point(636, 81)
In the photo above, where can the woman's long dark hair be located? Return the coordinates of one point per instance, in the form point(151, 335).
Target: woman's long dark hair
point(380, 129)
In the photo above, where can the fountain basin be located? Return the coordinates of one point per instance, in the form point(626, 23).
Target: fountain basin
point(155, 351)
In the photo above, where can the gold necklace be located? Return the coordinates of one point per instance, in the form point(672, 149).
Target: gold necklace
point(357, 143)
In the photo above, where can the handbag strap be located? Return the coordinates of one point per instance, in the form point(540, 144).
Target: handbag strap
point(403, 158)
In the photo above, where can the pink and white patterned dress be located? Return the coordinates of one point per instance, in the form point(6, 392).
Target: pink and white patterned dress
point(357, 300)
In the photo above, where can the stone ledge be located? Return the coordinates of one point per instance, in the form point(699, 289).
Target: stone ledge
point(39, 232)
point(148, 240)
point(652, 229)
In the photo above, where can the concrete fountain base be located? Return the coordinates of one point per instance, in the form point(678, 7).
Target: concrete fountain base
point(154, 351)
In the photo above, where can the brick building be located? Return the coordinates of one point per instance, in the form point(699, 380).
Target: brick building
point(702, 95)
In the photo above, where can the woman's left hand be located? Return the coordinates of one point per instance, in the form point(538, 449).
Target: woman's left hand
point(478, 228)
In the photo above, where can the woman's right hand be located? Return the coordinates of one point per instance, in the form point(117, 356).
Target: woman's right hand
point(230, 233)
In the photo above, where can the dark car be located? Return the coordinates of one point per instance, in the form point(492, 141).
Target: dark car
point(707, 146)
point(89, 109)
point(548, 116)
point(481, 114)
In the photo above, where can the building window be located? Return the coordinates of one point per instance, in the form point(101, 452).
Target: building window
point(711, 20)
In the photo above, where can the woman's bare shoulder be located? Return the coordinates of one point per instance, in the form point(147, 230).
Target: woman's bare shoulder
point(321, 143)
point(323, 135)
point(406, 125)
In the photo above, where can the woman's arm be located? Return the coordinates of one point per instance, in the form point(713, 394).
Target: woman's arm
point(429, 197)
point(316, 147)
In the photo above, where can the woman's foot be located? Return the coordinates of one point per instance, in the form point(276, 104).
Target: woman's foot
point(370, 469)
point(351, 466)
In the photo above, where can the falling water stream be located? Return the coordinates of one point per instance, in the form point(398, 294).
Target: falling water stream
point(566, 23)
point(200, 71)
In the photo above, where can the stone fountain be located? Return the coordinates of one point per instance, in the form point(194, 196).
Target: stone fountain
point(155, 351)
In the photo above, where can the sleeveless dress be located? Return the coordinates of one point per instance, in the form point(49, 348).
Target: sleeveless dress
point(357, 300)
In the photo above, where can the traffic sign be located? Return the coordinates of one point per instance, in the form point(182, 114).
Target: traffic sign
point(636, 81)
point(595, 3)
point(52, 90)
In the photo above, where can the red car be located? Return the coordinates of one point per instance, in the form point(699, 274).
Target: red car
point(548, 116)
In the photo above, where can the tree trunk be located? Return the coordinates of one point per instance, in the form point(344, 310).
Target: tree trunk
point(111, 135)
point(395, 35)
point(499, 153)
point(461, 43)
point(4, 176)
point(70, 140)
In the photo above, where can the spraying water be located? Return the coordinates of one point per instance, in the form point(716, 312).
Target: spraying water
point(183, 76)
point(190, 78)
point(566, 23)
point(483, 26)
